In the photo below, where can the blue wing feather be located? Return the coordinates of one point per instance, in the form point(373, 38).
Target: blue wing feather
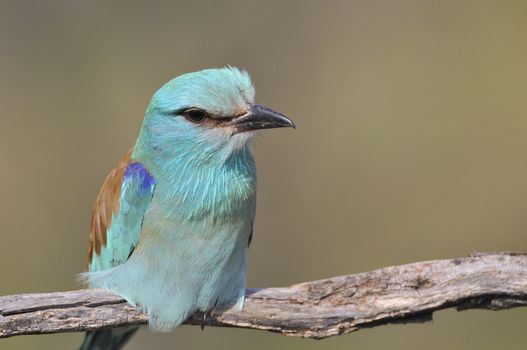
point(122, 235)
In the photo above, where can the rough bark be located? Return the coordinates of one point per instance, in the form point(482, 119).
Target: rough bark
point(318, 309)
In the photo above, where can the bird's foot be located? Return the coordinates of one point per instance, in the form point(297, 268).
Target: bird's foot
point(203, 320)
point(207, 315)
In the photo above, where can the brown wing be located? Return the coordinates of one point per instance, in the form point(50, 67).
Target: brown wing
point(106, 205)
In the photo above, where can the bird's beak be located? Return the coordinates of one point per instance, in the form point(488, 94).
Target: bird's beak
point(260, 117)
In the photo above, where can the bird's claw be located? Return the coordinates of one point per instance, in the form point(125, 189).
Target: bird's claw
point(203, 319)
point(210, 314)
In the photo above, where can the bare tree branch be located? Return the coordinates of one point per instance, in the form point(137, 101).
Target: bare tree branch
point(318, 309)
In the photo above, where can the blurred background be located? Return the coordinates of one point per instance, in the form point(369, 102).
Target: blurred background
point(410, 143)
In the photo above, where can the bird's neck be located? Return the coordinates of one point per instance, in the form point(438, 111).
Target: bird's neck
point(199, 183)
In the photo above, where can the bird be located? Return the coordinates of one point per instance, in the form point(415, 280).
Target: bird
point(173, 222)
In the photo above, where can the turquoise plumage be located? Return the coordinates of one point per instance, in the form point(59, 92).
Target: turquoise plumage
point(173, 222)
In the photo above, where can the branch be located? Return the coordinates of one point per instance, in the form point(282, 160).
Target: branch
point(318, 309)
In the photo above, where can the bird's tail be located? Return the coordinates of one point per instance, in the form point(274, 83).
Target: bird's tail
point(108, 339)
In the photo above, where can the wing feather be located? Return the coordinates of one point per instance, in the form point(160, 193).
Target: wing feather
point(131, 182)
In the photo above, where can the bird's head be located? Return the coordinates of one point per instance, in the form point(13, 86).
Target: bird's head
point(209, 114)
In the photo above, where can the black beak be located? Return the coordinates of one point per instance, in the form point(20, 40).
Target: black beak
point(260, 117)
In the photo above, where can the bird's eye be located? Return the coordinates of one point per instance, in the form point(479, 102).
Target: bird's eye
point(195, 115)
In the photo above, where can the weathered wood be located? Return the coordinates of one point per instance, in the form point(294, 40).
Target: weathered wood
point(318, 309)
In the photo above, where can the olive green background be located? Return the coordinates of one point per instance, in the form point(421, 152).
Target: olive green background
point(410, 144)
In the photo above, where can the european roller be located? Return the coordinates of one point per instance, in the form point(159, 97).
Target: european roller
point(173, 221)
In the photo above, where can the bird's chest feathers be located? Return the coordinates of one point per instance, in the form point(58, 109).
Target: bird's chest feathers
point(206, 194)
